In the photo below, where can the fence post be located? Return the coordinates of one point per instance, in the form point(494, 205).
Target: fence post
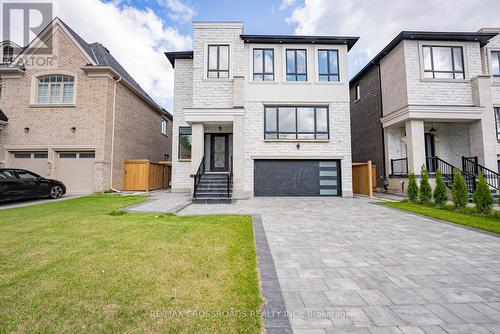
point(370, 179)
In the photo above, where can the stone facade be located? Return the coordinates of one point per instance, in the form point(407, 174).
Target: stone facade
point(84, 125)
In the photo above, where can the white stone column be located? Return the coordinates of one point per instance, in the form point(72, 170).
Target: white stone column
point(482, 133)
point(197, 147)
point(415, 142)
point(238, 156)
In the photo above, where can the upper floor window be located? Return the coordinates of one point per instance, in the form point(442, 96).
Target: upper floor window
point(164, 126)
point(358, 93)
point(296, 65)
point(443, 62)
point(55, 90)
point(8, 54)
point(218, 61)
point(328, 65)
point(495, 63)
point(296, 123)
point(497, 121)
point(263, 64)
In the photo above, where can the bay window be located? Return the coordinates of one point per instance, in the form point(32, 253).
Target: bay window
point(287, 122)
point(58, 89)
point(443, 62)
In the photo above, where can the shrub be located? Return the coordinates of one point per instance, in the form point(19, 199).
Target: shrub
point(425, 193)
point(440, 192)
point(459, 192)
point(482, 197)
point(412, 191)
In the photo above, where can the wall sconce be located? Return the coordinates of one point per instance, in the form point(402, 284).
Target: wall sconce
point(26, 130)
point(73, 129)
point(298, 146)
point(220, 128)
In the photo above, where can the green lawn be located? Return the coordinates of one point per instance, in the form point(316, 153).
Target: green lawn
point(80, 266)
point(488, 223)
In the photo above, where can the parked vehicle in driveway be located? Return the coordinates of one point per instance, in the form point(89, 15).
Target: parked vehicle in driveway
point(16, 184)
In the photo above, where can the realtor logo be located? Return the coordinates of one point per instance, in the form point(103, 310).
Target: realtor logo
point(22, 22)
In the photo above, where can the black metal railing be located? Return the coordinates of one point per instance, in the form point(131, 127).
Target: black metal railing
point(471, 166)
point(399, 167)
point(230, 178)
point(448, 171)
point(430, 163)
point(198, 175)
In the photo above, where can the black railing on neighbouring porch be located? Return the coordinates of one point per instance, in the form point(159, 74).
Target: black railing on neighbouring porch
point(471, 166)
point(399, 167)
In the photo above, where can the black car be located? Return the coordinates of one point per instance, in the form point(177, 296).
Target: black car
point(22, 184)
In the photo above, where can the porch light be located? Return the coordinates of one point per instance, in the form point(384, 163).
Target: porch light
point(432, 131)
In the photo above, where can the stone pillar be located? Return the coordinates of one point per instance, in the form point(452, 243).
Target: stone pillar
point(238, 157)
point(415, 143)
point(482, 133)
point(197, 147)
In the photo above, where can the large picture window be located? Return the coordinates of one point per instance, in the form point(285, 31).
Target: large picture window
point(296, 65)
point(328, 65)
point(495, 63)
point(185, 137)
point(218, 61)
point(497, 122)
point(55, 90)
point(296, 122)
point(263, 64)
point(443, 62)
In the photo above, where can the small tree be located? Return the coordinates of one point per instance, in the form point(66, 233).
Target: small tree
point(412, 191)
point(459, 192)
point(425, 193)
point(482, 196)
point(440, 192)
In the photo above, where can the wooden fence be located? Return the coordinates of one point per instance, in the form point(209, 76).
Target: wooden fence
point(364, 178)
point(143, 175)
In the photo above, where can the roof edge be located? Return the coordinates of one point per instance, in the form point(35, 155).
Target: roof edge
point(172, 56)
point(300, 39)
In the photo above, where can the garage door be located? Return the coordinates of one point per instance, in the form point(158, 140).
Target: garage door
point(36, 162)
point(297, 178)
point(76, 170)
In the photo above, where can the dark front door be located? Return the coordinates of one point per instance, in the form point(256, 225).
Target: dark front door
point(219, 153)
point(430, 153)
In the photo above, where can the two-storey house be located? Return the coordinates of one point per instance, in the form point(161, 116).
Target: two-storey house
point(73, 113)
point(267, 115)
point(426, 100)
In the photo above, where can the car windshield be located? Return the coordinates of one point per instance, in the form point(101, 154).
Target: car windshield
point(25, 175)
point(7, 174)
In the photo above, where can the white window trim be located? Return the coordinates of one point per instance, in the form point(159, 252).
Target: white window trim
point(357, 93)
point(166, 126)
point(448, 44)
point(205, 60)
point(34, 89)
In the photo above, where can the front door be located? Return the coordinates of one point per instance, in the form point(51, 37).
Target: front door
point(219, 153)
point(430, 153)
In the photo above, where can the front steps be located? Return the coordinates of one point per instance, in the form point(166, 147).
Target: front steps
point(212, 189)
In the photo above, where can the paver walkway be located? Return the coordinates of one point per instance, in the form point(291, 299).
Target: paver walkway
point(350, 266)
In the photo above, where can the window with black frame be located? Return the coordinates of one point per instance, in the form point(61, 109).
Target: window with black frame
point(495, 64)
point(287, 122)
point(443, 62)
point(296, 65)
point(263, 64)
point(218, 61)
point(497, 122)
point(328, 65)
point(185, 138)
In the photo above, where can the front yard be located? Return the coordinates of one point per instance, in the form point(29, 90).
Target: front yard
point(81, 266)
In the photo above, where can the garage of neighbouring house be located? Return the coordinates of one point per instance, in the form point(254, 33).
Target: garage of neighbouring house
point(289, 178)
point(36, 161)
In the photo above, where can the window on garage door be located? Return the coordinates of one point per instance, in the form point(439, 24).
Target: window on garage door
point(36, 162)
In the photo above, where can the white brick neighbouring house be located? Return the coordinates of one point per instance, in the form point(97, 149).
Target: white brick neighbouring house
point(272, 111)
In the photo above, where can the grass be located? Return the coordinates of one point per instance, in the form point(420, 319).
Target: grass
point(466, 217)
point(84, 266)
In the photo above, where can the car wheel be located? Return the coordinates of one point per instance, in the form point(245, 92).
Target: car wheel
point(56, 192)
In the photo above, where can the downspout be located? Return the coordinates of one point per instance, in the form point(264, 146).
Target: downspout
point(113, 137)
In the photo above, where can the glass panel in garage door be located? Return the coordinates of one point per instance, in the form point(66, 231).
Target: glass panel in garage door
point(329, 173)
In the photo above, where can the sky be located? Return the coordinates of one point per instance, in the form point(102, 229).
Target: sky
point(138, 32)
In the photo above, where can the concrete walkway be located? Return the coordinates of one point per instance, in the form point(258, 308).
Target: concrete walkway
point(351, 266)
point(163, 201)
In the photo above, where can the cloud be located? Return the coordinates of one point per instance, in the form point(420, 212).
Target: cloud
point(178, 11)
point(377, 22)
point(285, 4)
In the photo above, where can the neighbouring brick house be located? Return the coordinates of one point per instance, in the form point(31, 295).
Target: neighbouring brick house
point(270, 111)
point(430, 99)
point(79, 117)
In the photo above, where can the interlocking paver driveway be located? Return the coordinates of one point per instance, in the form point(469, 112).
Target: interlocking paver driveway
point(388, 271)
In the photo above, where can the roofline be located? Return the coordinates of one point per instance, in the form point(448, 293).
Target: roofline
point(480, 37)
point(172, 56)
point(298, 39)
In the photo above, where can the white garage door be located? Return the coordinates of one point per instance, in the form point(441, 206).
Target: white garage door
point(36, 162)
point(76, 170)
